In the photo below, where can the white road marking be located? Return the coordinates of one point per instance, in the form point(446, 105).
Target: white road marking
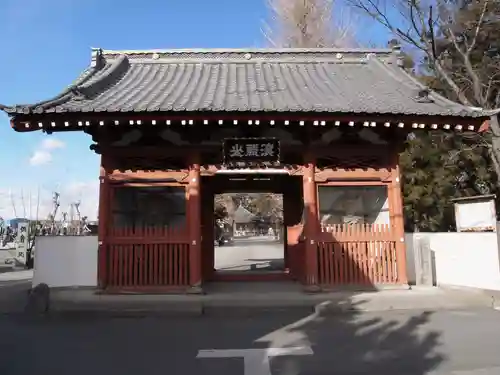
point(256, 361)
point(479, 371)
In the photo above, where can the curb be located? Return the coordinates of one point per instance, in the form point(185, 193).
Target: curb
point(125, 312)
point(200, 309)
point(41, 303)
point(258, 309)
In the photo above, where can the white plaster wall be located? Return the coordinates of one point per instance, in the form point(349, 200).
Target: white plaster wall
point(459, 259)
point(66, 261)
point(467, 259)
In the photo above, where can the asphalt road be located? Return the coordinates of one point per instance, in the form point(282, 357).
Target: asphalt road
point(13, 294)
point(389, 343)
point(250, 254)
point(276, 343)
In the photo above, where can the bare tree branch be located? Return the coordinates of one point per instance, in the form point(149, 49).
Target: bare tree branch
point(309, 24)
point(453, 48)
point(422, 35)
point(478, 27)
point(476, 83)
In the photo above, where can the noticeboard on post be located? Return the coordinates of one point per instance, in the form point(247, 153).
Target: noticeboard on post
point(475, 214)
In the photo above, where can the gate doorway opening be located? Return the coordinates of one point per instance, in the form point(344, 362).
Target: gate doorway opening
point(246, 226)
point(249, 233)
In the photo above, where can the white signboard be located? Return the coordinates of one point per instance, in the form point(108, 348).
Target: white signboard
point(22, 241)
point(479, 216)
point(255, 361)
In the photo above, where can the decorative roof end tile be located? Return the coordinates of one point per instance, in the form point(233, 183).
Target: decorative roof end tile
point(96, 61)
point(423, 96)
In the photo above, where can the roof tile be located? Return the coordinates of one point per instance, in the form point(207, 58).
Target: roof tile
point(295, 80)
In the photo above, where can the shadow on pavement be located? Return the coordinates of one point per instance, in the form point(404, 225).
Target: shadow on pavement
point(359, 343)
point(349, 343)
point(353, 343)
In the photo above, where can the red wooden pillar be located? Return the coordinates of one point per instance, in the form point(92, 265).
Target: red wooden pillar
point(396, 208)
point(207, 241)
point(194, 223)
point(286, 220)
point(311, 224)
point(103, 225)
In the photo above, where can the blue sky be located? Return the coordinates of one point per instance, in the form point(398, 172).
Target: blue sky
point(46, 44)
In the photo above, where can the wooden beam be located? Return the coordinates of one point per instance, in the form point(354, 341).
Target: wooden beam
point(320, 150)
point(78, 121)
point(352, 175)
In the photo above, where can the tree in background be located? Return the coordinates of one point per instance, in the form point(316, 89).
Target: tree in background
point(437, 167)
point(267, 206)
point(457, 45)
point(458, 42)
point(224, 207)
point(309, 24)
point(302, 24)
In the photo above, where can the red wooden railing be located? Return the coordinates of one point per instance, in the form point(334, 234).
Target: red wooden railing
point(147, 257)
point(357, 254)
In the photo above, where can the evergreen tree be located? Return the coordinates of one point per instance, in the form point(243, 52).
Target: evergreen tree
point(457, 43)
point(437, 167)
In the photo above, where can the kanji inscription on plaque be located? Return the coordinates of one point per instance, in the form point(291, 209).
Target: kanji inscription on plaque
point(251, 151)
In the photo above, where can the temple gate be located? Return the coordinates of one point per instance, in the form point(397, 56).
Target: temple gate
point(322, 127)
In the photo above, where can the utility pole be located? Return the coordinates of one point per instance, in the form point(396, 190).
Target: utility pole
point(55, 207)
point(37, 203)
point(22, 202)
point(13, 203)
point(79, 217)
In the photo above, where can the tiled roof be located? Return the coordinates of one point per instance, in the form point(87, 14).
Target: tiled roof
point(243, 216)
point(255, 80)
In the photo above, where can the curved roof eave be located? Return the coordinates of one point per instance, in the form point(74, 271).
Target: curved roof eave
point(102, 74)
point(75, 89)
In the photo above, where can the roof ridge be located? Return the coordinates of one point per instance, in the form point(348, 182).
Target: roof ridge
point(248, 50)
point(128, 83)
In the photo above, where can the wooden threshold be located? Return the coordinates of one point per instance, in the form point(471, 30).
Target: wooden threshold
point(251, 276)
point(151, 289)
